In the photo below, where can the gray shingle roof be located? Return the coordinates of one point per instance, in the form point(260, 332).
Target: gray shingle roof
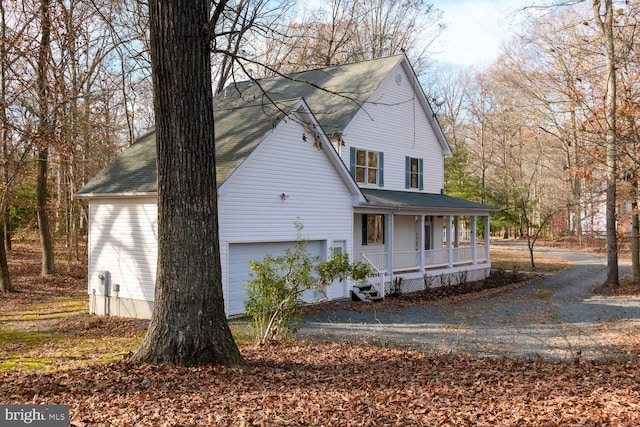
point(334, 94)
point(132, 172)
point(238, 133)
point(244, 116)
point(437, 202)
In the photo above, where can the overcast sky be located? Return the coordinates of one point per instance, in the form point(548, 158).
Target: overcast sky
point(475, 29)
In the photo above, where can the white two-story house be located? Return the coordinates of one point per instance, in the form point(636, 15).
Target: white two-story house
point(352, 152)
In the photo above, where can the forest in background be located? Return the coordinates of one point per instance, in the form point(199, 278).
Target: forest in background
point(528, 131)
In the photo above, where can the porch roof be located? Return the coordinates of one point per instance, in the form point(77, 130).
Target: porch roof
point(436, 203)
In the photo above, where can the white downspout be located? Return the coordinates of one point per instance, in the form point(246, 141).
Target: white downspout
point(421, 238)
point(474, 249)
point(389, 246)
point(449, 243)
point(487, 236)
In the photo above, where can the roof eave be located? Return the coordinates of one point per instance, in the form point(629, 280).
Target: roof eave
point(114, 195)
point(431, 210)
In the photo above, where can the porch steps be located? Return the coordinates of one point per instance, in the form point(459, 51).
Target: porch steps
point(365, 292)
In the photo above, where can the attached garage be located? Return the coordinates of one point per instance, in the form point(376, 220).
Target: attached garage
point(262, 195)
point(239, 272)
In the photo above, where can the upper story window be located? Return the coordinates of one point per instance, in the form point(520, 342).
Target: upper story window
point(367, 166)
point(413, 173)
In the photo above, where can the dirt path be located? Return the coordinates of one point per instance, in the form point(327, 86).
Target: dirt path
point(556, 318)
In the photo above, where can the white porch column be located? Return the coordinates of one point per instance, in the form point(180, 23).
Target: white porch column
point(474, 249)
point(389, 243)
point(421, 242)
point(449, 242)
point(487, 237)
point(456, 233)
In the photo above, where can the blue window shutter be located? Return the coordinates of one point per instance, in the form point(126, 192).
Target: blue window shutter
point(407, 172)
point(420, 175)
point(380, 169)
point(352, 161)
point(364, 230)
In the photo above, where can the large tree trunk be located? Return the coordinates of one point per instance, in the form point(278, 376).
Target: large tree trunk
point(635, 243)
point(43, 141)
point(188, 325)
point(635, 231)
point(606, 26)
point(4, 132)
point(46, 242)
point(5, 279)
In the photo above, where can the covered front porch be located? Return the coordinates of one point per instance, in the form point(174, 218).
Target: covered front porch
point(413, 241)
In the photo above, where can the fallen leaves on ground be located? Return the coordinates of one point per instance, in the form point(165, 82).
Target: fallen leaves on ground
point(306, 383)
point(340, 384)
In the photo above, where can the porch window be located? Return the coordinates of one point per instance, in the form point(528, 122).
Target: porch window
point(428, 233)
point(367, 166)
point(413, 173)
point(372, 229)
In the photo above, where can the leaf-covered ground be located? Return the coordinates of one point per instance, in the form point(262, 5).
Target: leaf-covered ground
point(291, 384)
point(317, 384)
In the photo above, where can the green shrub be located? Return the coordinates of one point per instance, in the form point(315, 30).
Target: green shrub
point(274, 295)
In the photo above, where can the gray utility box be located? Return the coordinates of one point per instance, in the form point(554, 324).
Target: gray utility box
point(104, 282)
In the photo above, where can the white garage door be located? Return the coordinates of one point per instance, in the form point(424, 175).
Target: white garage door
point(239, 272)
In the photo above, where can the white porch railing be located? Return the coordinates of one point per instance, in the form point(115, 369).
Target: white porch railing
point(406, 260)
point(433, 258)
point(377, 260)
point(436, 258)
point(377, 278)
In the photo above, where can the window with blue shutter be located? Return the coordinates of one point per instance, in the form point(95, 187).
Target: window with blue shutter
point(352, 161)
point(407, 172)
point(413, 177)
point(372, 229)
point(365, 240)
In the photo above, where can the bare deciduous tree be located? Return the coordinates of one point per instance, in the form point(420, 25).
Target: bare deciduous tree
point(355, 30)
point(604, 19)
point(44, 138)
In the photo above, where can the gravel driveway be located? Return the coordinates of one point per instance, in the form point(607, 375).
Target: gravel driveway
point(556, 318)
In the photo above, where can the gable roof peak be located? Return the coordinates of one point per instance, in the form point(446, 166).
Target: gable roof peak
point(334, 93)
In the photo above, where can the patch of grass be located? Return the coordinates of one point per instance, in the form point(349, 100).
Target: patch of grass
point(543, 293)
point(25, 363)
point(102, 348)
point(241, 332)
point(49, 310)
point(35, 351)
point(22, 340)
point(517, 258)
point(77, 304)
point(60, 334)
point(21, 349)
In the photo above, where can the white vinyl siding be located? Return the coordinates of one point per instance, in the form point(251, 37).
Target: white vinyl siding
point(405, 233)
point(123, 241)
point(286, 181)
point(255, 210)
point(394, 122)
